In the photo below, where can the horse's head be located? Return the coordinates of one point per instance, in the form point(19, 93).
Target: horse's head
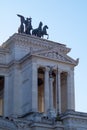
point(46, 26)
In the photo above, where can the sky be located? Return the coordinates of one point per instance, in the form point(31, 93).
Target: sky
point(67, 22)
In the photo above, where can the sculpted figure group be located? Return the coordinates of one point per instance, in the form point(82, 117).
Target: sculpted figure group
point(26, 27)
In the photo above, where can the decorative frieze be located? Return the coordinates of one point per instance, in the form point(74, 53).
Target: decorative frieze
point(33, 40)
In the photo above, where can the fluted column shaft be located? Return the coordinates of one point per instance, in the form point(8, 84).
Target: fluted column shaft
point(51, 93)
point(46, 89)
point(58, 84)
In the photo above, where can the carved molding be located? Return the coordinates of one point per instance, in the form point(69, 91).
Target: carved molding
point(57, 56)
point(34, 45)
point(36, 41)
point(75, 119)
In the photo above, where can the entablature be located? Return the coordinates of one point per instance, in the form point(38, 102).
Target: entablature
point(35, 41)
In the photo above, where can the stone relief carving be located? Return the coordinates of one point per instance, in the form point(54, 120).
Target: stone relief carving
point(57, 56)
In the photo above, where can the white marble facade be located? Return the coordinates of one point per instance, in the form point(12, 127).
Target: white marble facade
point(37, 85)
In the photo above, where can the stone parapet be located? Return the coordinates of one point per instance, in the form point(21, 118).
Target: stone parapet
point(74, 120)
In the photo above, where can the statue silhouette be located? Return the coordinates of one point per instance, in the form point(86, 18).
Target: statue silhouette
point(37, 32)
point(21, 28)
point(44, 31)
point(27, 22)
point(28, 26)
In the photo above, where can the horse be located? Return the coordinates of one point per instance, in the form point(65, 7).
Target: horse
point(28, 26)
point(44, 31)
point(38, 31)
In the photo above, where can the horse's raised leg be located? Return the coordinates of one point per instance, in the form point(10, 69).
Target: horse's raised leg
point(47, 36)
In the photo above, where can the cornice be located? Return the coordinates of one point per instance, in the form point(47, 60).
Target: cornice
point(74, 114)
point(33, 40)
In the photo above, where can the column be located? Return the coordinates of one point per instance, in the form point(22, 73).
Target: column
point(70, 91)
point(46, 89)
point(51, 112)
point(34, 86)
point(58, 84)
point(51, 93)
